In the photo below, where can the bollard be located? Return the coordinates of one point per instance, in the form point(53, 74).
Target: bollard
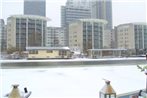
point(15, 92)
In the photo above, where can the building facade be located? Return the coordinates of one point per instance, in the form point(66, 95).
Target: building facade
point(78, 3)
point(25, 30)
point(35, 7)
point(46, 53)
point(55, 37)
point(109, 53)
point(73, 10)
point(102, 9)
point(86, 34)
point(132, 36)
point(70, 13)
point(2, 35)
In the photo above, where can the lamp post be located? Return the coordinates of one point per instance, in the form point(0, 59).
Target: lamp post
point(107, 91)
point(146, 80)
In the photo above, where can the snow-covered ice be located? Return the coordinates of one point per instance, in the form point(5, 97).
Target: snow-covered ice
point(73, 82)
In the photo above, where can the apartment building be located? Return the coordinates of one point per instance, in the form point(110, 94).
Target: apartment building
point(86, 34)
point(132, 36)
point(2, 35)
point(26, 30)
point(55, 37)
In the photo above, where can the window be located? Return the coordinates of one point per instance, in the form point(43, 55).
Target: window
point(62, 52)
point(49, 51)
point(33, 52)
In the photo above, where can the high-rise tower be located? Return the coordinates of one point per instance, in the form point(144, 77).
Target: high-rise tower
point(73, 10)
point(35, 7)
point(2, 35)
point(102, 9)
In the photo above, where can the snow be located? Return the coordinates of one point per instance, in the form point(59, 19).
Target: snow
point(71, 60)
point(73, 82)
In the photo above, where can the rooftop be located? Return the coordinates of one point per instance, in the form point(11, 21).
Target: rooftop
point(30, 16)
point(47, 48)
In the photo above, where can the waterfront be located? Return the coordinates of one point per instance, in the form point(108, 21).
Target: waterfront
point(73, 82)
point(6, 64)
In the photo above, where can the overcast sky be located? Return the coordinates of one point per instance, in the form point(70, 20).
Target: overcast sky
point(124, 11)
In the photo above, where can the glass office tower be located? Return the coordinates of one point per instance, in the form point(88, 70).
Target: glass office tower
point(35, 7)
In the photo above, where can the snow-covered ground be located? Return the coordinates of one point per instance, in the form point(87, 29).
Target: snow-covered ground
point(70, 62)
point(77, 59)
point(73, 82)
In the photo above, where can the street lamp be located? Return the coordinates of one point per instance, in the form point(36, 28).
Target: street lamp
point(107, 91)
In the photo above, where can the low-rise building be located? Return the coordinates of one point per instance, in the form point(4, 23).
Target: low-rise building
point(48, 53)
point(98, 53)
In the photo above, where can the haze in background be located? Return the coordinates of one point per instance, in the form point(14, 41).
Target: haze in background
point(124, 11)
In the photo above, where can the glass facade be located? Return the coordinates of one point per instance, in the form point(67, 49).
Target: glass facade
point(35, 7)
point(30, 31)
point(55, 37)
point(92, 35)
point(73, 11)
point(2, 35)
point(140, 36)
point(102, 9)
point(70, 14)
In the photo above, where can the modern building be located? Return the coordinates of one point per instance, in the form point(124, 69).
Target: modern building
point(102, 9)
point(35, 7)
point(78, 3)
point(2, 36)
point(99, 53)
point(110, 41)
point(55, 37)
point(72, 11)
point(132, 36)
point(113, 38)
point(107, 38)
point(86, 34)
point(46, 52)
point(26, 30)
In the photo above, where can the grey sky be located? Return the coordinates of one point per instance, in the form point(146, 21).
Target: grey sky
point(124, 11)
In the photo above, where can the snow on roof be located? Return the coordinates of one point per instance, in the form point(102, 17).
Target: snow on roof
point(47, 48)
point(107, 49)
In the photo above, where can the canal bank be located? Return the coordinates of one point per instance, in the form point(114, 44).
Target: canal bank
point(71, 62)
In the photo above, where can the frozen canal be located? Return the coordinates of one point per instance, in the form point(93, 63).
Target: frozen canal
point(72, 82)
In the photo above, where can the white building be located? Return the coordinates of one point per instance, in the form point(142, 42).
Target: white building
point(55, 37)
point(26, 30)
point(132, 36)
point(87, 34)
